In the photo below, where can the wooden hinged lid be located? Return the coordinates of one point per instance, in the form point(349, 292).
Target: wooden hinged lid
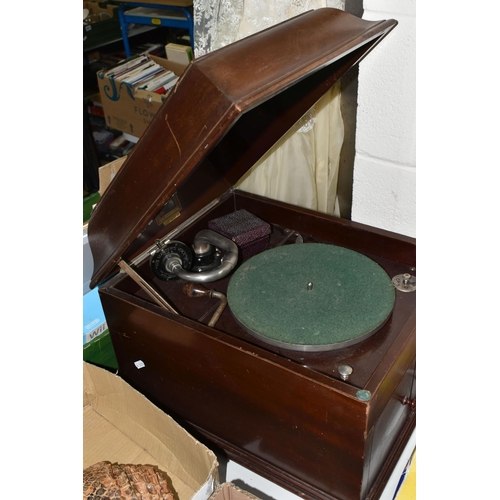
point(227, 110)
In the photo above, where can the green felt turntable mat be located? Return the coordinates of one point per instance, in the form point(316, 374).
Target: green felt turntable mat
point(311, 296)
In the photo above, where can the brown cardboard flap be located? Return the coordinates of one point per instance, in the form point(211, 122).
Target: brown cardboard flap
point(228, 491)
point(121, 425)
point(227, 110)
point(108, 172)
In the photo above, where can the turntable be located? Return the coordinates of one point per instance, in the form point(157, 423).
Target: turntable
point(287, 340)
point(311, 297)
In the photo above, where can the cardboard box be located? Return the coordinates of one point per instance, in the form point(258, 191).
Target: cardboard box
point(107, 173)
point(102, 24)
point(228, 491)
point(94, 321)
point(128, 110)
point(121, 425)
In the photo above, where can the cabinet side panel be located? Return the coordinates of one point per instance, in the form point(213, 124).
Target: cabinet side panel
point(389, 427)
point(304, 428)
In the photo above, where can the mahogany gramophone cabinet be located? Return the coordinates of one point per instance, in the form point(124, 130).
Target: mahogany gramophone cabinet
point(319, 397)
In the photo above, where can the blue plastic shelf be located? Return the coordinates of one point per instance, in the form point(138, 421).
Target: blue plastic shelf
point(170, 16)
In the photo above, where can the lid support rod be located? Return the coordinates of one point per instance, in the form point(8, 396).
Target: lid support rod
point(146, 287)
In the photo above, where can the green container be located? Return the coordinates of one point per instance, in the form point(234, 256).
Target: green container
point(88, 202)
point(99, 351)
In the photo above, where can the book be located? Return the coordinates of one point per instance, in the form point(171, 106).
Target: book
point(165, 88)
point(139, 72)
point(178, 53)
point(145, 76)
point(157, 81)
point(127, 65)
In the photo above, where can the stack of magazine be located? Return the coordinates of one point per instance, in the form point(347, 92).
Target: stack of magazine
point(142, 73)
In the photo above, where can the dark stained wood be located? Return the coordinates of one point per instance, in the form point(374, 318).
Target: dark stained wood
point(300, 425)
point(396, 247)
point(397, 449)
point(366, 355)
point(289, 417)
point(198, 126)
point(286, 415)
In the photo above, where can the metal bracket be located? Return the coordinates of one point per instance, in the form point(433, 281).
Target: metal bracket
point(154, 294)
point(405, 282)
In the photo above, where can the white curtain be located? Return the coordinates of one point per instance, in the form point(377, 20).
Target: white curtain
point(302, 168)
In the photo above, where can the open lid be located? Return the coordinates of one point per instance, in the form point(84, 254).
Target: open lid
point(227, 110)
